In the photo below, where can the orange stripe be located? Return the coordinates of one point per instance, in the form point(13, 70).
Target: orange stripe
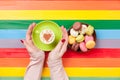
point(60, 5)
point(59, 0)
point(76, 62)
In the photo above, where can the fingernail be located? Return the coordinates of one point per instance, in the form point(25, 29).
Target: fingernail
point(62, 26)
point(33, 23)
point(21, 41)
point(63, 40)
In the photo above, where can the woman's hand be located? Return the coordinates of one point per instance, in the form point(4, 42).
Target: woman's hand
point(61, 47)
point(35, 67)
point(31, 48)
point(55, 58)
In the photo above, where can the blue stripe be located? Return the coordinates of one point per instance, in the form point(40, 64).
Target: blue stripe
point(20, 34)
point(12, 34)
point(108, 34)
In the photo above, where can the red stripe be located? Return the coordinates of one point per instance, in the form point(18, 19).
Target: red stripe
point(76, 62)
point(60, 0)
point(94, 53)
point(60, 5)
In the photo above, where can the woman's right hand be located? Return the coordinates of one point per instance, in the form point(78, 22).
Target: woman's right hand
point(37, 56)
point(34, 52)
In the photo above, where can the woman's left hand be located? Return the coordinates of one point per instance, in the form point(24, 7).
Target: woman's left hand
point(55, 58)
point(61, 47)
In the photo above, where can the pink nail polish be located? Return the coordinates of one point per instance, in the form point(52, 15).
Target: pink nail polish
point(63, 40)
point(21, 41)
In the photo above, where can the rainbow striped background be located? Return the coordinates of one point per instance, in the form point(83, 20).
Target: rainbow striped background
point(101, 63)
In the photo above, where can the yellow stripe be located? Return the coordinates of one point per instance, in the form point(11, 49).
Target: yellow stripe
point(72, 72)
point(59, 14)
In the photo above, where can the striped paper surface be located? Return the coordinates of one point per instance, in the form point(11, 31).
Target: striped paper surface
point(100, 63)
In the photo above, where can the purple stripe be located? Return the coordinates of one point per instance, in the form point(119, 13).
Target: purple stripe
point(101, 43)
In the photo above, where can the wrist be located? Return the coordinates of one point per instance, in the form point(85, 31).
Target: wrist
point(37, 56)
point(54, 63)
point(53, 57)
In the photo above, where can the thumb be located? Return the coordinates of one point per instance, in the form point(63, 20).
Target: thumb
point(63, 50)
point(59, 45)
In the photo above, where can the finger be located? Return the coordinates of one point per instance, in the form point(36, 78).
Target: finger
point(59, 45)
point(29, 32)
point(64, 31)
point(24, 43)
point(64, 47)
point(30, 42)
point(63, 50)
point(65, 36)
point(28, 47)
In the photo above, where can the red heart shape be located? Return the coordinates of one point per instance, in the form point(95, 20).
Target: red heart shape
point(47, 36)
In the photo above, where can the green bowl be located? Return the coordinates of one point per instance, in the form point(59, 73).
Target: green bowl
point(55, 28)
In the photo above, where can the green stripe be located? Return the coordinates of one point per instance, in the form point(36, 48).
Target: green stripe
point(23, 24)
point(72, 78)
